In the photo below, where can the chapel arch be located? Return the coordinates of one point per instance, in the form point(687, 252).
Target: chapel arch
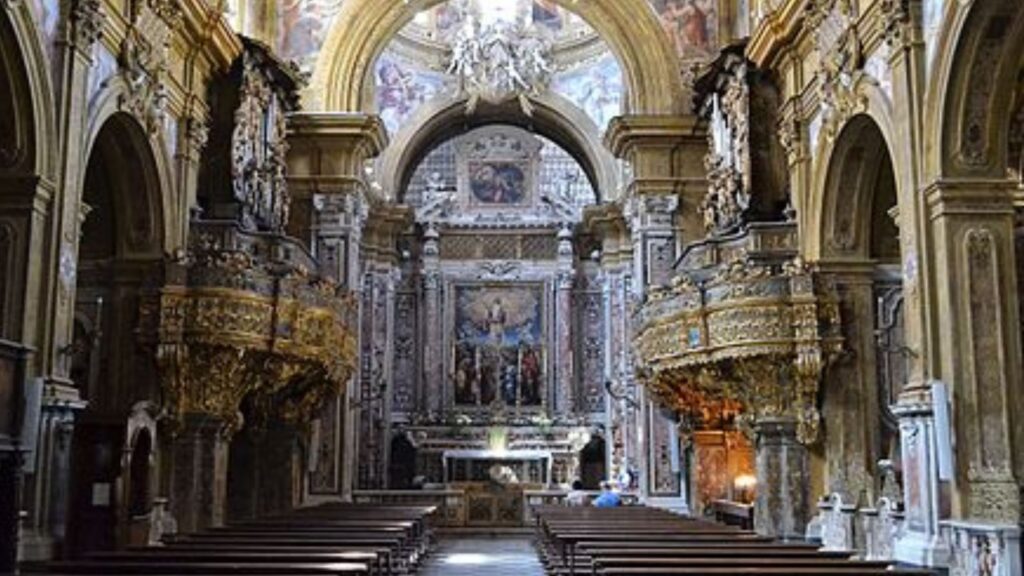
point(120, 260)
point(18, 166)
point(860, 241)
point(975, 89)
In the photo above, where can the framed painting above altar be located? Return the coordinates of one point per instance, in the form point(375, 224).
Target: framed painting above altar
point(498, 341)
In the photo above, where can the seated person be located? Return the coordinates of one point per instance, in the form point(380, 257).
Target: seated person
point(576, 496)
point(608, 497)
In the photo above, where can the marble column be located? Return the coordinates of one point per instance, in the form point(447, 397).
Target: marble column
point(979, 356)
point(564, 364)
point(666, 156)
point(48, 481)
point(199, 466)
point(434, 395)
point(782, 508)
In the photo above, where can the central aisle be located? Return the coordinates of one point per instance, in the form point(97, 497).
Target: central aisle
point(499, 556)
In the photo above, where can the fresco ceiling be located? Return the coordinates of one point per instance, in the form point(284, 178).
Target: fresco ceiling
point(416, 67)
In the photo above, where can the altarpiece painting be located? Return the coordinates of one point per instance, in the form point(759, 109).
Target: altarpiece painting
point(498, 354)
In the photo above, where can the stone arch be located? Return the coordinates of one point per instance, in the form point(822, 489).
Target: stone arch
point(860, 173)
point(828, 150)
point(141, 157)
point(553, 117)
point(343, 76)
point(25, 79)
point(980, 52)
point(150, 148)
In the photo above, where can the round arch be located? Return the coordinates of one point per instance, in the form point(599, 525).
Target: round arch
point(154, 166)
point(650, 67)
point(128, 154)
point(860, 173)
point(553, 117)
point(980, 51)
point(24, 64)
point(817, 214)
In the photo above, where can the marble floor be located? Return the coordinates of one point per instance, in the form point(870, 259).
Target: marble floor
point(477, 556)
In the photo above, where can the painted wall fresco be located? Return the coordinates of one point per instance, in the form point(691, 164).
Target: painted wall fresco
point(303, 26)
point(440, 22)
point(597, 88)
point(692, 25)
point(403, 87)
point(499, 353)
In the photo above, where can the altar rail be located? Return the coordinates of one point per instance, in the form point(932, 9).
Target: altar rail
point(451, 504)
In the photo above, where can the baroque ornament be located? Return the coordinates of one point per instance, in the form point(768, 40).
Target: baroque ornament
point(842, 60)
point(143, 61)
point(280, 337)
point(758, 334)
point(500, 61)
point(728, 160)
point(86, 23)
point(258, 152)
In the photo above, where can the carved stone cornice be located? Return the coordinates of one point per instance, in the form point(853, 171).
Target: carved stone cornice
point(775, 31)
point(626, 134)
point(205, 28)
point(363, 135)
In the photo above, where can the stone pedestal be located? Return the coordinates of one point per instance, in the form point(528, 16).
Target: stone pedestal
point(920, 543)
point(199, 462)
point(782, 508)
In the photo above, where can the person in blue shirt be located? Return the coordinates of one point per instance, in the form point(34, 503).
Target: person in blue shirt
point(608, 498)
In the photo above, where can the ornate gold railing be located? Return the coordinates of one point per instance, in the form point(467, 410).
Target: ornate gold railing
point(756, 335)
point(244, 317)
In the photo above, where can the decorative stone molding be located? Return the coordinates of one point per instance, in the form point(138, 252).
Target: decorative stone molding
point(86, 19)
point(896, 21)
point(839, 48)
point(974, 143)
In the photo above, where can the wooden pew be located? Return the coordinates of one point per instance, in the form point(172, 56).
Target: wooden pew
point(335, 539)
point(637, 540)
